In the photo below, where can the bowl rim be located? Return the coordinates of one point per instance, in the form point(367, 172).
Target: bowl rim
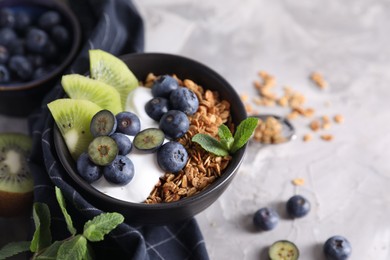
point(76, 34)
point(217, 184)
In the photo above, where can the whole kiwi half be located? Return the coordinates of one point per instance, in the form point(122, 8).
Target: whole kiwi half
point(16, 181)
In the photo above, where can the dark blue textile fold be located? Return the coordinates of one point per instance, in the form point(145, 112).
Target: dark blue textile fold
point(114, 26)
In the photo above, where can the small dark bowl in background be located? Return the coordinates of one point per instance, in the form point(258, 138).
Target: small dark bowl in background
point(164, 213)
point(20, 99)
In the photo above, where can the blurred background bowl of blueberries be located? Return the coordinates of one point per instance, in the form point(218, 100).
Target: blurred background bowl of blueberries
point(38, 40)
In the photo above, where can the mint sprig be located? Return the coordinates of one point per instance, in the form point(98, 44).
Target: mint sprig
point(75, 247)
point(227, 143)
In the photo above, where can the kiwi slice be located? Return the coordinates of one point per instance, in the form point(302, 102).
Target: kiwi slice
point(16, 181)
point(73, 118)
point(81, 87)
point(149, 140)
point(102, 150)
point(111, 70)
point(103, 123)
point(283, 250)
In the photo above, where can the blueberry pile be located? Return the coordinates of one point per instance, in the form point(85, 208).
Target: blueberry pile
point(30, 46)
point(266, 218)
point(171, 105)
point(107, 153)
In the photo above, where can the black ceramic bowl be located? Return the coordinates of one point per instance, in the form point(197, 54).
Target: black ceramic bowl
point(19, 99)
point(164, 213)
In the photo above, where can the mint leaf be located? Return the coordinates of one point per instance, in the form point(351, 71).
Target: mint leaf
point(243, 133)
point(68, 219)
point(73, 249)
point(225, 136)
point(42, 235)
point(210, 144)
point(96, 228)
point(50, 253)
point(14, 248)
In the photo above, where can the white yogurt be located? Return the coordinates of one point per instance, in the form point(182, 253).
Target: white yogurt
point(146, 170)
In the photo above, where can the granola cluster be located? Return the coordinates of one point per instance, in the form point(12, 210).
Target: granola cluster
point(294, 101)
point(202, 168)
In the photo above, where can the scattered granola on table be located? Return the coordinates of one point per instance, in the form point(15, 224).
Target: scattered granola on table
point(202, 167)
point(269, 131)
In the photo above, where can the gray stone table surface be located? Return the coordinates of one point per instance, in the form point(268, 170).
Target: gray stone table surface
point(346, 179)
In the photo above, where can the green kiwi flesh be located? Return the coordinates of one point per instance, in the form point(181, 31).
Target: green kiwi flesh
point(73, 118)
point(111, 70)
point(81, 87)
point(16, 181)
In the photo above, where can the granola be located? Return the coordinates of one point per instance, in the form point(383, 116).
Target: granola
point(202, 168)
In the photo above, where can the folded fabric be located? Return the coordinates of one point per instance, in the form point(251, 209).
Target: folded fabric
point(116, 27)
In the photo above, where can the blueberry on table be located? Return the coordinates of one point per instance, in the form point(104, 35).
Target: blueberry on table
point(157, 107)
point(128, 123)
point(89, 171)
point(337, 248)
point(283, 250)
point(298, 206)
point(124, 143)
point(120, 171)
point(266, 219)
point(174, 123)
point(184, 100)
point(21, 66)
point(163, 86)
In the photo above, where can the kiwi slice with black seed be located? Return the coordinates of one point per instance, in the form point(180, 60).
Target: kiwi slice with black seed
point(283, 250)
point(149, 140)
point(103, 123)
point(113, 71)
point(16, 181)
point(102, 150)
point(73, 119)
point(81, 87)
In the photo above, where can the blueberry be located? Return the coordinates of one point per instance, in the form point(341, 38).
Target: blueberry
point(37, 41)
point(128, 123)
point(39, 73)
point(20, 66)
point(7, 36)
point(51, 52)
point(157, 107)
point(124, 143)
point(49, 19)
point(4, 54)
point(7, 18)
point(17, 47)
point(89, 171)
point(172, 157)
point(163, 86)
point(60, 35)
point(298, 206)
point(184, 100)
point(337, 248)
point(36, 60)
point(4, 74)
point(120, 171)
point(265, 219)
point(174, 123)
point(22, 21)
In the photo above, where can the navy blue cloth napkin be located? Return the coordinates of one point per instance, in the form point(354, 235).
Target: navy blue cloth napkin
point(114, 26)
